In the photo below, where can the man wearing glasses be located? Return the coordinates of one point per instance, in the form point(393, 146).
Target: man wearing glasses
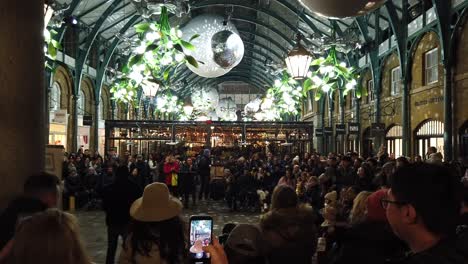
point(422, 207)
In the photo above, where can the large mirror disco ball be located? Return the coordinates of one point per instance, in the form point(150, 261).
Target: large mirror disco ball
point(337, 9)
point(207, 26)
point(228, 49)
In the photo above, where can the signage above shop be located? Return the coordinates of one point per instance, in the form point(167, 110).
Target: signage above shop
point(87, 120)
point(60, 116)
point(319, 132)
point(340, 129)
point(432, 100)
point(353, 128)
point(328, 130)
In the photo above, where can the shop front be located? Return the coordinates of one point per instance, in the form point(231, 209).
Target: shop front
point(429, 133)
point(394, 140)
point(58, 128)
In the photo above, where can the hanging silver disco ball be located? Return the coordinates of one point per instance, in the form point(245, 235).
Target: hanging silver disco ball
point(337, 9)
point(207, 26)
point(228, 49)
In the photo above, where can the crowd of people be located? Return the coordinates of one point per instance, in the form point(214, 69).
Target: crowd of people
point(332, 209)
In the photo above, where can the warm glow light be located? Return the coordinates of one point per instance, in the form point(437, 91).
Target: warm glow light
point(298, 61)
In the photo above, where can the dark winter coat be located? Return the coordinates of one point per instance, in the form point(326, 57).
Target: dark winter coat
point(290, 235)
point(366, 243)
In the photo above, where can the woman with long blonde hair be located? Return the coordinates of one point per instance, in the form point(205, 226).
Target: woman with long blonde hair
point(359, 212)
point(51, 236)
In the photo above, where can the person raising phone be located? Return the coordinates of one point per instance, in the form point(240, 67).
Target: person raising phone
point(157, 232)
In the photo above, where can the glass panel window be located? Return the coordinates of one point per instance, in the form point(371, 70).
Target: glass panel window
point(396, 80)
point(370, 91)
point(54, 97)
point(431, 66)
point(80, 103)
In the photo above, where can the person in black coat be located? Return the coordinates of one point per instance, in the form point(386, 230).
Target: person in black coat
point(187, 181)
point(117, 199)
point(203, 165)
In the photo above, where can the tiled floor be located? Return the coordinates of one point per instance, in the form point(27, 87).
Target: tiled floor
point(93, 228)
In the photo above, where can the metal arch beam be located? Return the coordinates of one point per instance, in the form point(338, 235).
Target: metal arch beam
point(190, 73)
point(279, 57)
point(115, 11)
point(265, 12)
point(236, 70)
point(101, 73)
point(117, 22)
point(184, 75)
point(86, 12)
point(443, 10)
point(63, 28)
point(79, 63)
point(240, 78)
point(274, 30)
point(109, 53)
point(268, 39)
point(246, 69)
point(237, 74)
point(260, 74)
point(401, 34)
point(303, 16)
point(260, 85)
point(255, 83)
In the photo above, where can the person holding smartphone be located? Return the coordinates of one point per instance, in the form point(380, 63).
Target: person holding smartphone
point(157, 233)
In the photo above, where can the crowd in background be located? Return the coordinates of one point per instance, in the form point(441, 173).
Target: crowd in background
point(321, 209)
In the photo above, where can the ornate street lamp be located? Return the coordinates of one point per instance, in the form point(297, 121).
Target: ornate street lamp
point(298, 60)
point(188, 107)
point(150, 89)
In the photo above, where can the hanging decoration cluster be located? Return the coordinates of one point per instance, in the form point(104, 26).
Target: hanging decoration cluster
point(159, 51)
point(328, 74)
point(168, 103)
point(282, 99)
point(51, 46)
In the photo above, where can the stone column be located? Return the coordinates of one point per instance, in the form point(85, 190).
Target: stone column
point(22, 94)
point(94, 146)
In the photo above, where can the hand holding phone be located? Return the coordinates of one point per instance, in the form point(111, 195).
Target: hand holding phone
point(201, 229)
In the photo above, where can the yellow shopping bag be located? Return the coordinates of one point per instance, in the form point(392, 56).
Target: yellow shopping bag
point(174, 179)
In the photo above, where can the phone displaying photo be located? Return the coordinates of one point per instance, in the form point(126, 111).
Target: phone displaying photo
point(201, 228)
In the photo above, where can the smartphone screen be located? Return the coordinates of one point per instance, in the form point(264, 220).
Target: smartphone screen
point(201, 228)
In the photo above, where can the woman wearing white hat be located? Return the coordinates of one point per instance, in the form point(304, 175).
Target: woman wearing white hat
point(157, 233)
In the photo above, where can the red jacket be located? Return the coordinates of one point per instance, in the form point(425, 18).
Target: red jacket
point(170, 168)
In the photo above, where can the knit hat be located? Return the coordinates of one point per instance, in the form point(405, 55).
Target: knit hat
point(375, 211)
point(246, 240)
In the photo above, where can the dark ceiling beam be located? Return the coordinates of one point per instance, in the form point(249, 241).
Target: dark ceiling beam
point(89, 11)
point(266, 48)
point(259, 75)
point(187, 73)
point(117, 22)
point(68, 12)
point(109, 53)
point(302, 15)
point(292, 28)
point(115, 11)
point(236, 77)
point(257, 68)
point(278, 46)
